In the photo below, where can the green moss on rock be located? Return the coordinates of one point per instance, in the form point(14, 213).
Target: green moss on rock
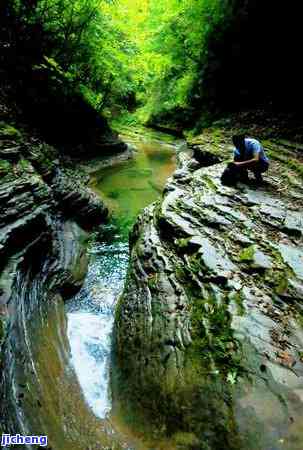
point(7, 131)
point(5, 167)
point(247, 255)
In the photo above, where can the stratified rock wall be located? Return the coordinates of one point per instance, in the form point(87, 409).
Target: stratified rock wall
point(208, 329)
point(42, 262)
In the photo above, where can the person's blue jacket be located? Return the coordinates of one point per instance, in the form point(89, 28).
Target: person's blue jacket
point(252, 148)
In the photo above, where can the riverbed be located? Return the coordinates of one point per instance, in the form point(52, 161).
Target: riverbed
point(126, 188)
point(59, 354)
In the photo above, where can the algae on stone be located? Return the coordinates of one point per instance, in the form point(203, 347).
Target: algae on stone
point(209, 330)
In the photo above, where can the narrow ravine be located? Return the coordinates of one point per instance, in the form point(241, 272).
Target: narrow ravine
point(127, 188)
point(59, 351)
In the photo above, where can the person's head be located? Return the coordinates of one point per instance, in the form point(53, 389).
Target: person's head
point(239, 141)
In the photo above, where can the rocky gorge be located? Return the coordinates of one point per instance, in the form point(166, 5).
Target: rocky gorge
point(145, 305)
point(209, 326)
point(208, 330)
point(45, 210)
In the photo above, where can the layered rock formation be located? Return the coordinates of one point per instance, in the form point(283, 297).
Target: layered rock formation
point(209, 327)
point(43, 261)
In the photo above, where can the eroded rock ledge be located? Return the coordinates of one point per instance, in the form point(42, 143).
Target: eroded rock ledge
point(43, 210)
point(209, 327)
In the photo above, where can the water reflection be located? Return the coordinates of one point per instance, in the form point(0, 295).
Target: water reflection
point(134, 184)
point(127, 189)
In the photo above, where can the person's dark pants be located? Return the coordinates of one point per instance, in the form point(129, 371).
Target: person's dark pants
point(232, 173)
point(257, 167)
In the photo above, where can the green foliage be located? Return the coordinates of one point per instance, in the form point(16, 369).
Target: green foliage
point(170, 43)
point(174, 63)
point(7, 131)
point(78, 40)
point(128, 54)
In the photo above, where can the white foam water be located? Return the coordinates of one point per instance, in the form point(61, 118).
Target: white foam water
point(90, 320)
point(90, 337)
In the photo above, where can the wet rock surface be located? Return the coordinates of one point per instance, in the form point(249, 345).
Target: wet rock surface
point(209, 328)
point(42, 262)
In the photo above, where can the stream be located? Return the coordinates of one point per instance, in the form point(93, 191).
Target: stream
point(60, 377)
point(58, 355)
point(126, 189)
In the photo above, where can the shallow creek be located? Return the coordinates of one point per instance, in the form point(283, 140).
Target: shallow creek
point(126, 188)
point(70, 347)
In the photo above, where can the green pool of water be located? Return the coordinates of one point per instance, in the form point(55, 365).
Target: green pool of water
point(132, 185)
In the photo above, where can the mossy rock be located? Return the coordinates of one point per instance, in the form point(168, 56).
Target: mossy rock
point(5, 167)
point(24, 165)
point(186, 440)
point(247, 255)
point(8, 131)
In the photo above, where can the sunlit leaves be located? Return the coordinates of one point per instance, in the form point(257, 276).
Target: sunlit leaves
point(115, 49)
point(171, 40)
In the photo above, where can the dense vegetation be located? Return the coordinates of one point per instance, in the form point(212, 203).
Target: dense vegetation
point(170, 61)
point(205, 57)
point(50, 65)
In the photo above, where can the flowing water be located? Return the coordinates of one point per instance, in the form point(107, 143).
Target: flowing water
point(126, 188)
point(59, 355)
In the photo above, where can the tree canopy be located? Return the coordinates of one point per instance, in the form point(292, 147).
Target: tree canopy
point(164, 59)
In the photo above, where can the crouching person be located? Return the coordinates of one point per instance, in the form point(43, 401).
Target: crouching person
point(249, 155)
